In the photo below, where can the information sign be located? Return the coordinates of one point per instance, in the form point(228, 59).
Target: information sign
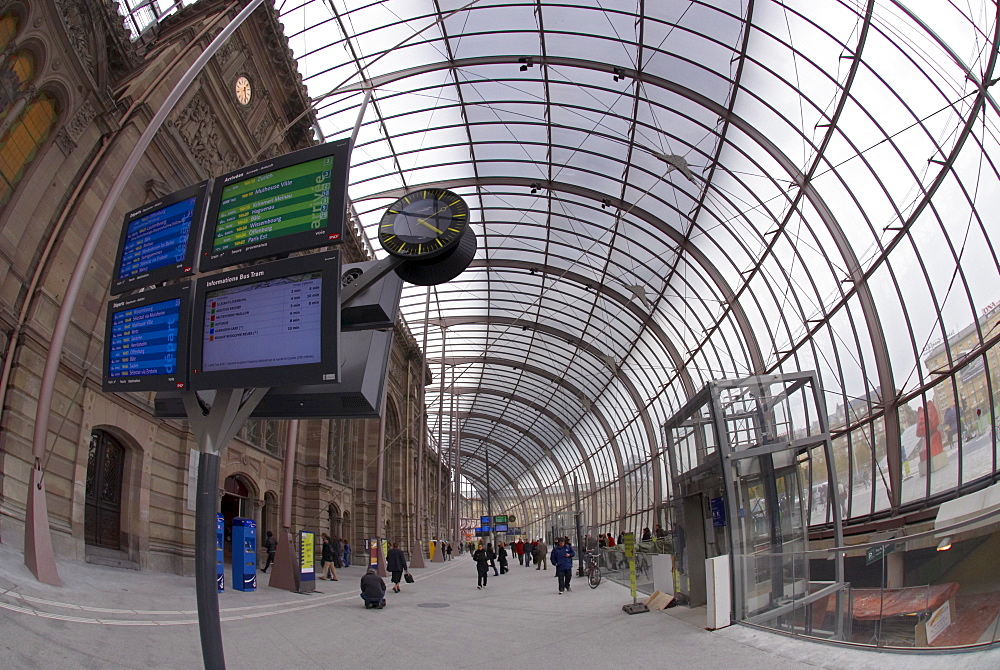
point(630, 555)
point(629, 545)
point(290, 203)
point(158, 240)
point(268, 325)
point(500, 518)
point(145, 344)
point(501, 528)
point(485, 520)
point(718, 512)
point(877, 553)
point(307, 562)
point(243, 323)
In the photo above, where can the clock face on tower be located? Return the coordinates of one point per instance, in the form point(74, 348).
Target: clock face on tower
point(423, 224)
point(243, 90)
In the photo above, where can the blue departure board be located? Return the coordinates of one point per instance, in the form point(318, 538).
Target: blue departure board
point(158, 240)
point(145, 345)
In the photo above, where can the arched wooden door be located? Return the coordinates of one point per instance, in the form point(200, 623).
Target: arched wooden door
point(102, 515)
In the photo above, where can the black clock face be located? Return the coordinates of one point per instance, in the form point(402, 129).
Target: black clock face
point(423, 224)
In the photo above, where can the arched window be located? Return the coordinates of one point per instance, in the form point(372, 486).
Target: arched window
point(15, 78)
point(8, 28)
point(26, 123)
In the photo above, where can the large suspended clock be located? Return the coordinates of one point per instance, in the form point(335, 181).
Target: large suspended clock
point(424, 224)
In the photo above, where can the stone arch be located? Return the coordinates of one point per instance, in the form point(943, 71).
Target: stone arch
point(268, 516)
point(393, 456)
point(125, 537)
point(238, 497)
point(334, 520)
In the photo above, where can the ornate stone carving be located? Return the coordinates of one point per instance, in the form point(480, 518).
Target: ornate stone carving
point(81, 120)
point(67, 136)
point(74, 15)
point(230, 47)
point(198, 127)
point(65, 144)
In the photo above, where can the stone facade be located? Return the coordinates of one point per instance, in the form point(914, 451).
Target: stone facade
point(107, 89)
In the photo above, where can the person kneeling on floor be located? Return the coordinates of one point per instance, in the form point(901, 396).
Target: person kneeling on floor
point(373, 590)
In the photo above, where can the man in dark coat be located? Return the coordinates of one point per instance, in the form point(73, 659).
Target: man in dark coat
point(562, 559)
point(373, 590)
point(395, 563)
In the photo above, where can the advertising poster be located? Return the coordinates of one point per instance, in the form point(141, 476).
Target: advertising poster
point(308, 552)
point(307, 562)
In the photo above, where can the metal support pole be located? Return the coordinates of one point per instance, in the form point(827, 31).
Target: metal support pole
point(579, 529)
point(213, 430)
point(422, 438)
point(209, 625)
point(38, 541)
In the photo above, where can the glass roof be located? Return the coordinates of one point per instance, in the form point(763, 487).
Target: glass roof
point(667, 193)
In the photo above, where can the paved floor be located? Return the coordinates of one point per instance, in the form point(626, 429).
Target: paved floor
point(110, 618)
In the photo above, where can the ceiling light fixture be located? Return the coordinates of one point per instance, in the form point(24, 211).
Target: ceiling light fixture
point(535, 187)
point(526, 62)
point(945, 544)
point(619, 74)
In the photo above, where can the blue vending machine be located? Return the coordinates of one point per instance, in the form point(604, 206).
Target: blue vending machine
point(244, 554)
point(220, 533)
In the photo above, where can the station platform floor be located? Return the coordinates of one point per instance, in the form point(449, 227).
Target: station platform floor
point(113, 618)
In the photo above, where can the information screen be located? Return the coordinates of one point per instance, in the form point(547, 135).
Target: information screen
point(284, 202)
point(268, 325)
point(146, 341)
point(259, 325)
point(157, 241)
point(290, 203)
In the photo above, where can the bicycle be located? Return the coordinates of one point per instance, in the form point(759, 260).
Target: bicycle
point(592, 571)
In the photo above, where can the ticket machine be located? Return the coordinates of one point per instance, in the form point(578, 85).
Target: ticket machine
point(244, 554)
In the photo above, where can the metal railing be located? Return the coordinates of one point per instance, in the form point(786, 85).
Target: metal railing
point(938, 589)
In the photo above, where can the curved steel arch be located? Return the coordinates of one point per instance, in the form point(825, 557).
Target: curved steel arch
point(560, 381)
point(556, 419)
point(683, 245)
point(513, 484)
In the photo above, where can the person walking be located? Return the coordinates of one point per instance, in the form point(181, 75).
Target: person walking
point(529, 549)
point(270, 545)
point(482, 567)
point(502, 557)
point(562, 560)
point(447, 550)
point(519, 550)
point(347, 554)
point(329, 571)
point(492, 557)
point(395, 563)
point(541, 551)
point(372, 590)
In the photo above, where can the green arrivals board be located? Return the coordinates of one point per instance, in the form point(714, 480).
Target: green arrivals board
point(275, 204)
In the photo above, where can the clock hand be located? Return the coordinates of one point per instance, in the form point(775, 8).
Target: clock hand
point(424, 221)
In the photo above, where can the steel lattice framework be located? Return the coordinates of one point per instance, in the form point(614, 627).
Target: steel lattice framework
point(667, 193)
